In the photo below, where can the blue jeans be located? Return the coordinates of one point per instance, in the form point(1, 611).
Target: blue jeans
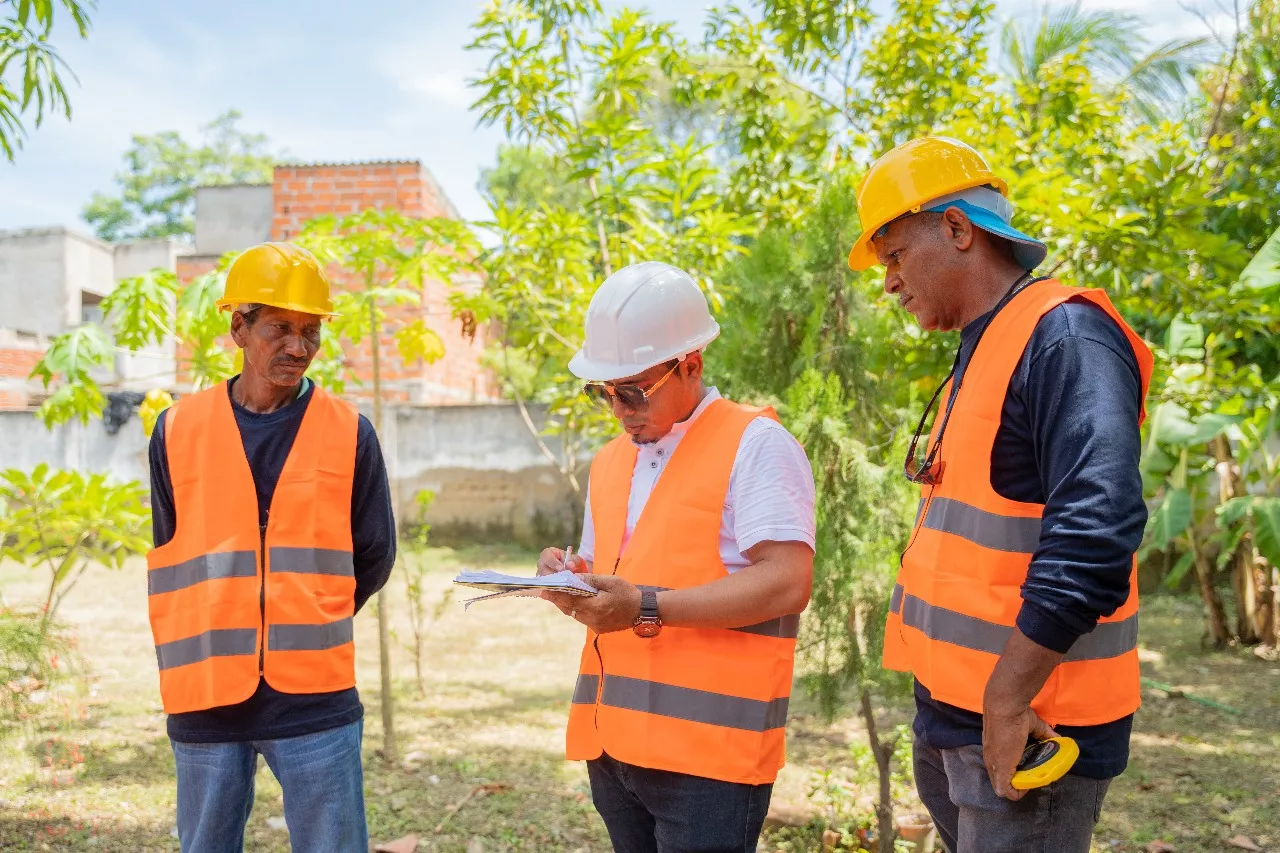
point(657, 811)
point(320, 773)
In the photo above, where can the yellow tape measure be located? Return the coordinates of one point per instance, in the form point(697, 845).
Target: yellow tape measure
point(1045, 762)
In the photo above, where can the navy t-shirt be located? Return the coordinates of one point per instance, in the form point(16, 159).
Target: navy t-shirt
point(269, 714)
point(1068, 439)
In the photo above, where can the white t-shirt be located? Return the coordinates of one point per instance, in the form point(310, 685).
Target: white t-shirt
point(770, 495)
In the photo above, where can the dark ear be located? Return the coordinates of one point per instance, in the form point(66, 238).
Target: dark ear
point(239, 329)
point(957, 228)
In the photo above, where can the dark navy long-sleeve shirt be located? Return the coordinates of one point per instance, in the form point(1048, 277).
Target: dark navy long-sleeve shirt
point(269, 714)
point(1068, 439)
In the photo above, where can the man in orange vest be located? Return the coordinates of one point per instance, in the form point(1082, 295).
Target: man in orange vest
point(1016, 605)
point(273, 526)
point(700, 529)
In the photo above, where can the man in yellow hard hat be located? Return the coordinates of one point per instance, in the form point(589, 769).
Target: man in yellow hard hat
point(1016, 604)
point(273, 526)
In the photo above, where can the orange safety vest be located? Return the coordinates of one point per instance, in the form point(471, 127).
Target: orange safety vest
point(958, 592)
point(222, 582)
point(708, 702)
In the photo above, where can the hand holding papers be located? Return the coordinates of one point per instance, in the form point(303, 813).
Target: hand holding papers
point(516, 585)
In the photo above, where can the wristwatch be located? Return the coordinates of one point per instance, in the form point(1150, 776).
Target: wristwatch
point(647, 625)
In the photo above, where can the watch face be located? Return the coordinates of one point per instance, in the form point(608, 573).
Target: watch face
point(647, 630)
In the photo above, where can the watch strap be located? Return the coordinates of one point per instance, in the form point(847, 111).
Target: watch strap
point(648, 604)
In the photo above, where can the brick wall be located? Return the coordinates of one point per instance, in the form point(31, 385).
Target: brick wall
point(17, 359)
point(187, 268)
point(302, 192)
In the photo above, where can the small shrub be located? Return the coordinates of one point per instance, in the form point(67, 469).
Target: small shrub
point(414, 568)
point(34, 656)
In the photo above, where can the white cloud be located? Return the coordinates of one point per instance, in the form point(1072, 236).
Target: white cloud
point(449, 87)
point(420, 65)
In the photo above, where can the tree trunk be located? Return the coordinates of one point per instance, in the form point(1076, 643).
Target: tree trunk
point(389, 751)
point(883, 753)
point(1209, 594)
point(1268, 601)
point(1249, 606)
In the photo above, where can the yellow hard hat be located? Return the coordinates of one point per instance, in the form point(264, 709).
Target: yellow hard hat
point(910, 176)
point(279, 274)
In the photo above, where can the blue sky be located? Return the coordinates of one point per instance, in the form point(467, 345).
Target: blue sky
point(385, 82)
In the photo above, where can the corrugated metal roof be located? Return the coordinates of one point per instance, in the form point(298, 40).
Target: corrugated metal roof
point(333, 164)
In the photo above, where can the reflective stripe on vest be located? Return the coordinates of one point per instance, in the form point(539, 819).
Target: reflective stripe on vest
point(224, 642)
point(1107, 640)
point(959, 587)
point(683, 703)
point(1018, 534)
point(206, 567)
point(221, 616)
point(313, 561)
point(303, 638)
point(706, 702)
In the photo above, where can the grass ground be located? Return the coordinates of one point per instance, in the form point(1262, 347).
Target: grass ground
point(94, 771)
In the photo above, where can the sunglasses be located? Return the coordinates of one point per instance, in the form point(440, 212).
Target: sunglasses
point(632, 397)
point(927, 471)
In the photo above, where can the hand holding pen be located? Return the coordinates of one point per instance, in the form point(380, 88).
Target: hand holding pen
point(554, 560)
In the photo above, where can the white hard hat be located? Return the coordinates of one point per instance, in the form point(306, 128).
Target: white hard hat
point(643, 315)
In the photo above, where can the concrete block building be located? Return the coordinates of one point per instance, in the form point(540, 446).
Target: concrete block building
point(52, 279)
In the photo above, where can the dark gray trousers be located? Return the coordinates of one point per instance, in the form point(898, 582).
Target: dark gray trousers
point(970, 818)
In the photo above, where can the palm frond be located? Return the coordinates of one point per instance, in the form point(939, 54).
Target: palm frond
point(1161, 79)
point(1106, 36)
point(1113, 45)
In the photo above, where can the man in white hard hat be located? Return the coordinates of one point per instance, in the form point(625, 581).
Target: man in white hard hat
point(699, 529)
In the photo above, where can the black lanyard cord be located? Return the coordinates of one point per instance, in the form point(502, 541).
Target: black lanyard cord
point(1024, 281)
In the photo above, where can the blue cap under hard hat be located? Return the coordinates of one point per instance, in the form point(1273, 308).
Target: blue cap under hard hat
point(989, 210)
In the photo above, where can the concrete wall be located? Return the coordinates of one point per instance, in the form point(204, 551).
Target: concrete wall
point(86, 448)
point(230, 218)
point(153, 366)
point(42, 271)
point(491, 481)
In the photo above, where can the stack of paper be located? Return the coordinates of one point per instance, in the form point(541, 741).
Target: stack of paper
point(516, 585)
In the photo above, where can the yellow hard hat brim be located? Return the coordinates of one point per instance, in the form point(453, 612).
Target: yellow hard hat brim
point(862, 256)
point(230, 304)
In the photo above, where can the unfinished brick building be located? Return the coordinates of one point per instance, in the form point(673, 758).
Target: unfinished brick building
point(51, 268)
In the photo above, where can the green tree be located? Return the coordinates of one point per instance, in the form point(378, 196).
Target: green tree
point(1241, 111)
point(66, 522)
point(1209, 465)
point(387, 259)
point(415, 568)
point(864, 516)
point(34, 654)
point(526, 177)
point(157, 186)
point(570, 86)
point(31, 71)
point(1111, 42)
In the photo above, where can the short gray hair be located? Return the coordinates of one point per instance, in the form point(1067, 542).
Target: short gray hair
point(249, 310)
